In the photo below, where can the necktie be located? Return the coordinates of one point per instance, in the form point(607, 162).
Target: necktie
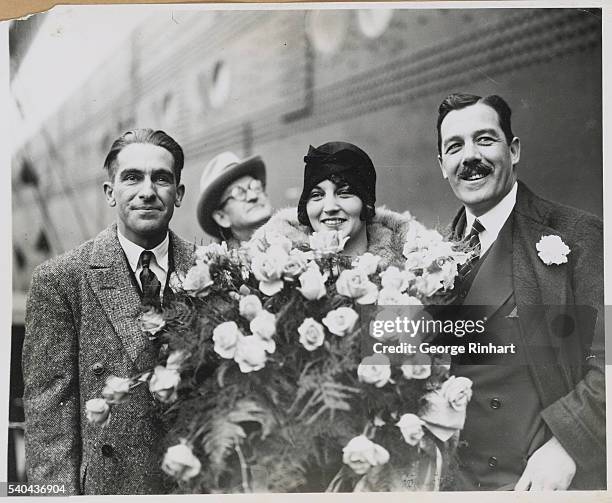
point(473, 242)
point(149, 282)
point(473, 238)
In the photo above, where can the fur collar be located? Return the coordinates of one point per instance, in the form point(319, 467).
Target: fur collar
point(386, 233)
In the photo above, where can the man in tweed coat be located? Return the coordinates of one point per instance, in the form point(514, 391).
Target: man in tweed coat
point(536, 422)
point(82, 326)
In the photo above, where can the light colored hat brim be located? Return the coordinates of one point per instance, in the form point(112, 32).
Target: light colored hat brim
point(209, 197)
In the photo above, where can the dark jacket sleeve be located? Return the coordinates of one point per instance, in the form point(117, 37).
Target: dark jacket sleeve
point(51, 392)
point(578, 419)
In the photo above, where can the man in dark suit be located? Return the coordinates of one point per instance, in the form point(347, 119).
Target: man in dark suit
point(82, 326)
point(536, 421)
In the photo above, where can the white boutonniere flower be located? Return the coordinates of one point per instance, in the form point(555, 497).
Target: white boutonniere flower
point(552, 250)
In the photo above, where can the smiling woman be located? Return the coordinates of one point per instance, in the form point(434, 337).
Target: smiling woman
point(339, 194)
point(333, 205)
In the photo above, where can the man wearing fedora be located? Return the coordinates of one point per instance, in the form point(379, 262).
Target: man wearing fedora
point(233, 203)
point(536, 420)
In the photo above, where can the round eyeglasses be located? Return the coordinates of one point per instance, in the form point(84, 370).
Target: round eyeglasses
point(239, 193)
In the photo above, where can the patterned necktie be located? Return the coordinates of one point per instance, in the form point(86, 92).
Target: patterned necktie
point(150, 284)
point(473, 238)
point(473, 242)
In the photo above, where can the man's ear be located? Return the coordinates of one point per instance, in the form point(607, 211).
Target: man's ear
point(180, 193)
point(109, 192)
point(221, 219)
point(515, 150)
point(444, 175)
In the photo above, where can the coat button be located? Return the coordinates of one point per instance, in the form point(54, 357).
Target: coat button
point(495, 403)
point(97, 368)
point(492, 462)
point(107, 450)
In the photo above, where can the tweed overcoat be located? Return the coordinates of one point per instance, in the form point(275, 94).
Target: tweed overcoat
point(81, 327)
point(386, 233)
point(569, 377)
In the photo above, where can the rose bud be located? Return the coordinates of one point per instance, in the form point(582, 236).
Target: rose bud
point(116, 390)
point(97, 411)
point(163, 384)
point(179, 462)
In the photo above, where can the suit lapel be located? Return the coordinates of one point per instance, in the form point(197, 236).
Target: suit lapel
point(183, 253)
point(535, 282)
point(493, 282)
point(538, 284)
point(109, 278)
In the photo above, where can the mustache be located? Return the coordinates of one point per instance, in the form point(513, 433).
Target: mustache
point(472, 168)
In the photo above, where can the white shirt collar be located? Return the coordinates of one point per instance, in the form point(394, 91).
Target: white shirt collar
point(133, 251)
point(493, 220)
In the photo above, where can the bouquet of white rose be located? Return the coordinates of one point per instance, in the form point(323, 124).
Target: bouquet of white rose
point(261, 362)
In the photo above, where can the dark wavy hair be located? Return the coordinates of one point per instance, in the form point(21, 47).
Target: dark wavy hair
point(146, 135)
point(457, 101)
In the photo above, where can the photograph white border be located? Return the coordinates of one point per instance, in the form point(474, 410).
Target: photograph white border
point(6, 255)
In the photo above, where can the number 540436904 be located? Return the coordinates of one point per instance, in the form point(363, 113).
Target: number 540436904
point(34, 489)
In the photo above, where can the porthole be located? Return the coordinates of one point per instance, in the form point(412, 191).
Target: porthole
point(326, 29)
point(373, 22)
point(220, 84)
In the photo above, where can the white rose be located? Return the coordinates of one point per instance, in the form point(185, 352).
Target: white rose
point(312, 283)
point(163, 384)
point(355, 284)
point(250, 306)
point(268, 269)
point(395, 279)
point(416, 371)
point(413, 239)
point(325, 243)
point(441, 249)
point(361, 454)
point(275, 239)
point(264, 325)
point(428, 238)
point(296, 264)
point(444, 409)
point(367, 263)
point(444, 271)
point(116, 390)
point(390, 297)
point(251, 353)
point(197, 282)
point(176, 359)
point(226, 336)
point(341, 321)
point(97, 411)
point(418, 259)
point(411, 427)
point(311, 333)
point(458, 392)
point(552, 250)
point(375, 369)
point(180, 463)
point(151, 321)
point(207, 253)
